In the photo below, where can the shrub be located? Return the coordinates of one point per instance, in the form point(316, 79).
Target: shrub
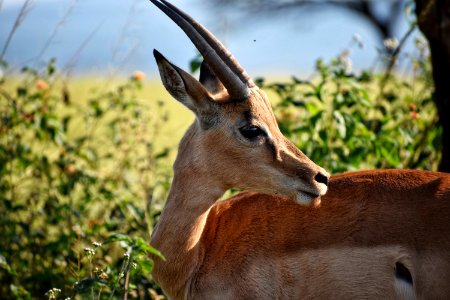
point(347, 121)
point(72, 175)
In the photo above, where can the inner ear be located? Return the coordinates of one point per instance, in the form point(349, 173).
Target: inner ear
point(209, 80)
point(184, 87)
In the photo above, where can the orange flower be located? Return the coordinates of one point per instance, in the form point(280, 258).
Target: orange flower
point(414, 115)
point(41, 85)
point(27, 116)
point(70, 169)
point(138, 75)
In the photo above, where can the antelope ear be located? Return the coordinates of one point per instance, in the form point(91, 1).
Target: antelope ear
point(183, 87)
point(210, 80)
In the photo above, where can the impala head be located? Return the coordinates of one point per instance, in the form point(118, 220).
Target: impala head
point(235, 141)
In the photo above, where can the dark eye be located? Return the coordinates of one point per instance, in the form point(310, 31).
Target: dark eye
point(251, 131)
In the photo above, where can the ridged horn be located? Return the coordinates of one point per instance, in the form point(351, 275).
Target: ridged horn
point(226, 68)
point(220, 49)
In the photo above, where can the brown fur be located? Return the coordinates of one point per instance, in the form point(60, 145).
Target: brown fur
point(373, 235)
point(256, 246)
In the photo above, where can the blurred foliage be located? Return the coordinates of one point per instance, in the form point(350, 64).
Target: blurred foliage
point(78, 188)
point(346, 120)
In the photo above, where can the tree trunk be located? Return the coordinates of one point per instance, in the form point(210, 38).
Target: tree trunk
point(434, 21)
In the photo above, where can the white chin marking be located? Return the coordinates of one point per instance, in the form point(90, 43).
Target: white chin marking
point(323, 189)
point(304, 199)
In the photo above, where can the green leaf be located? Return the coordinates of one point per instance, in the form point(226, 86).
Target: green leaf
point(340, 123)
point(19, 292)
point(163, 153)
point(195, 63)
point(150, 249)
point(316, 118)
point(117, 237)
point(4, 264)
point(313, 109)
point(22, 91)
point(85, 285)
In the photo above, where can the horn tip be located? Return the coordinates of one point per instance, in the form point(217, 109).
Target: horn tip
point(158, 56)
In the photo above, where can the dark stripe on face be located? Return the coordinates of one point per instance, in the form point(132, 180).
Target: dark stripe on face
point(272, 147)
point(248, 116)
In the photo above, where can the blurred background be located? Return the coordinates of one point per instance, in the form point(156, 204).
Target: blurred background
point(88, 134)
point(269, 39)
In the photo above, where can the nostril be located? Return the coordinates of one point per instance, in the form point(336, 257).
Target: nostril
point(321, 178)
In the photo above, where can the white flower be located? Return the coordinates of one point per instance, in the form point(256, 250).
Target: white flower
point(345, 61)
point(53, 293)
point(390, 44)
point(89, 251)
point(358, 40)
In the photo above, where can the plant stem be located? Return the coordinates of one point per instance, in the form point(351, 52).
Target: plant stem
point(122, 270)
point(20, 18)
point(127, 281)
point(393, 60)
point(90, 272)
point(60, 23)
point(100, 293)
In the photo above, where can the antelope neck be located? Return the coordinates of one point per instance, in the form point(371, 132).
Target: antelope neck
point(180, 228)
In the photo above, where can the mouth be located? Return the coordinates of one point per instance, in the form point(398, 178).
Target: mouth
point(306, 198)
point(310, 195)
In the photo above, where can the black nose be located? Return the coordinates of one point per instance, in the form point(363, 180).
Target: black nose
point(321, 178)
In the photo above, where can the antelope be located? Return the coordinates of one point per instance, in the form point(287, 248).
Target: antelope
point(294, 232)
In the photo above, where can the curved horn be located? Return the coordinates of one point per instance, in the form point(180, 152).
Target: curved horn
point(220, 49)
point(236, 87)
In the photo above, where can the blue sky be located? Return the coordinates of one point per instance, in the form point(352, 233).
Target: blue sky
point(124, 33)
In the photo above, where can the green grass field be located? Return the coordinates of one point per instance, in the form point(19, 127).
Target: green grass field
point(152, 92)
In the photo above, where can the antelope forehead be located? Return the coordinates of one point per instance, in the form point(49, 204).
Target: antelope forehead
point(260, 98)
point(260, 108)
point(208, 120)
point(250, 112)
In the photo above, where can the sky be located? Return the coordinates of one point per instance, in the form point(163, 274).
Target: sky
point(96, 36)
